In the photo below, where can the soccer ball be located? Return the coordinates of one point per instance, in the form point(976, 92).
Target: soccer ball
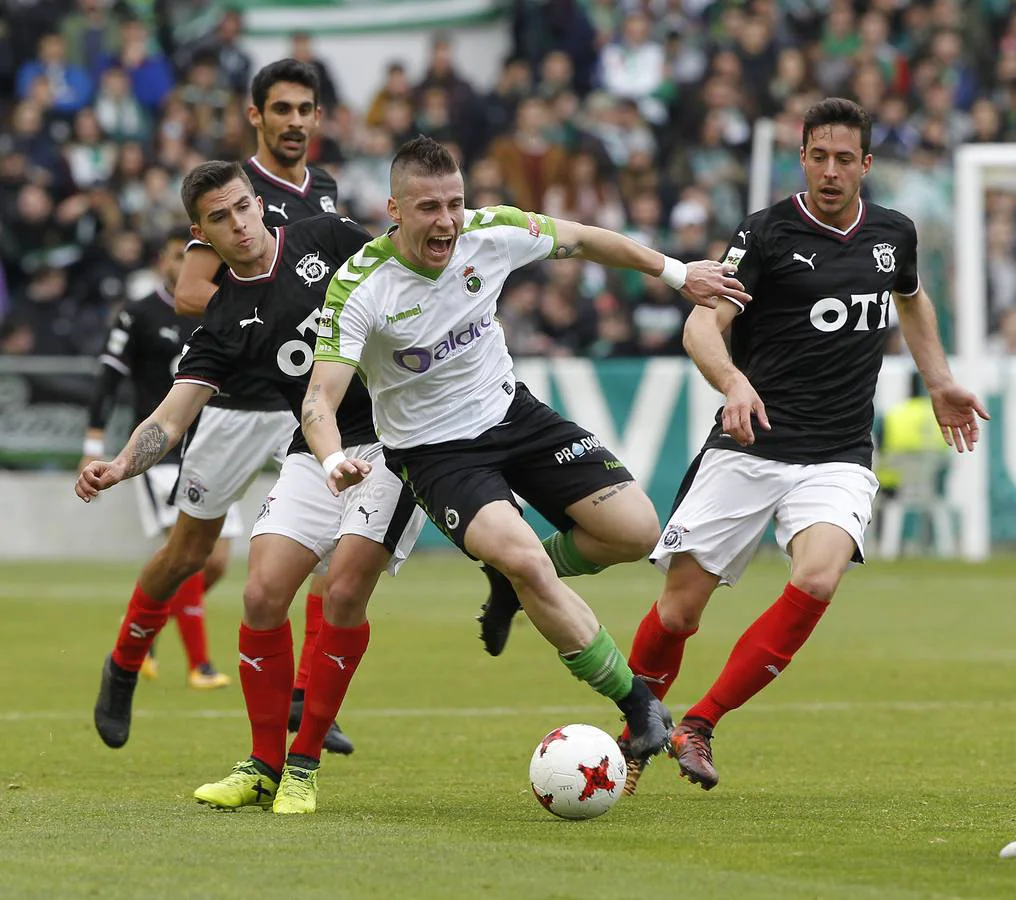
point(577, 772)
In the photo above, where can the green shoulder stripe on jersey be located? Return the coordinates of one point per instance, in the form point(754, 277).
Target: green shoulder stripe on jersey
point(490, 216)
point(347, 278)
point(354, 271)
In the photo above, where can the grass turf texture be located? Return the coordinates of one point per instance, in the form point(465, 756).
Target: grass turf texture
point(880, 766)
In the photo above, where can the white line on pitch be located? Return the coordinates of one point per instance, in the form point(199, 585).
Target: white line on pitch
point(489, 712)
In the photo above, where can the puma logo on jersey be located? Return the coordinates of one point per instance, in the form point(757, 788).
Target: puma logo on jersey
point(252, 321)
point(808, 261)
point(281, 210)
point(366, 515)
point(339, 660)
point(254, 663)
point(743, 235)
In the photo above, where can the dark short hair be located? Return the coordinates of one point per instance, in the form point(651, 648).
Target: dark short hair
point(838, 111)
point(208, 176)
point(422, 156)
point(180, 233)
point(289, 69)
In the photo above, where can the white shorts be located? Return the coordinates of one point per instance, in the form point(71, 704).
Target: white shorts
point(733, 496)
point(380, 508)
point(225, 454)
point(153, 489)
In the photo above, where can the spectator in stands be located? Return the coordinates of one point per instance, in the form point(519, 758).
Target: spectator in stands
point(631, 68)
point(90, 157)
point(222, 48)
point(529, 163)
point(92, 35)
point(69, 84)
point(120, 115)
point(302, 48)
point(441, 73)
point(150, 72)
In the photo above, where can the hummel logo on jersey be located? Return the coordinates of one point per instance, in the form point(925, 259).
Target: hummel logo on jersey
point(743, 235)
point(339, 660)
point(808, 261)
point(312, 268)
point(254, 663)
point(281, 210)
point(366, 515)
point(254, 321)
point(139, 633)
point(773, 670)
point(404, 314)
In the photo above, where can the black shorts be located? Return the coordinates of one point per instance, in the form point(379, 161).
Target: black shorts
point(541, 456)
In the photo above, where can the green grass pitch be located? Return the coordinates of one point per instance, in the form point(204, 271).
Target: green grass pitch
point(881, 765)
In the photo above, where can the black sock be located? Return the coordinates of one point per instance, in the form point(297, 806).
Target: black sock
point(304, 762)
point(266, 769)
point(297, 694)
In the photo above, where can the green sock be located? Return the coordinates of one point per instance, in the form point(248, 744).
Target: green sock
point(602, 667)
point(560, 547)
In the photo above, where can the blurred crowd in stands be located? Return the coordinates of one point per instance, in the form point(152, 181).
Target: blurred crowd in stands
point(636, 116)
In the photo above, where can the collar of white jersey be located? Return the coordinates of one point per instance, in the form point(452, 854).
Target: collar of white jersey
point(423, 272)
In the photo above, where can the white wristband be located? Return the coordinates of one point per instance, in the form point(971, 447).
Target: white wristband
point(94, 447)
point(674, 273)
point(332, 460)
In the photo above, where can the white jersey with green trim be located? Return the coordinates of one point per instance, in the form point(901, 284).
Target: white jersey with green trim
point(427, 341)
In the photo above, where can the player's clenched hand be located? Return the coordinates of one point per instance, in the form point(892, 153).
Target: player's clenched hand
point(346, 474)
point(956, 410)
point(742, 402)
point(708, 280)
point(96, 476)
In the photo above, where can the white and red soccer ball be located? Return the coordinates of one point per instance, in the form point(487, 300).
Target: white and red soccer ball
point(577, 772)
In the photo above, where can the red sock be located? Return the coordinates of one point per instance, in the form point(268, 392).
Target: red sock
point(143, 620)
point(339, 651)
point(188, 608)
point(656, 654)
point(311, 628)
point(761, 653)
point(266, 675)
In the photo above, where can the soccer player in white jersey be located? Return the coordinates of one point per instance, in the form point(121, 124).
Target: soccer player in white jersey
point(414, 310)
point(792, 442)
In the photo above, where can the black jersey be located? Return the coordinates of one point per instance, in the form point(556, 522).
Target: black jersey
point(811, 340)
point(144, 345)
point(265, 327)
point(284, 203)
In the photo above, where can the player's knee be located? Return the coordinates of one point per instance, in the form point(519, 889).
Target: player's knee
point(261, 603)
point(528, 567)
point(820, 582)
point(681, 610)
point(347, 595)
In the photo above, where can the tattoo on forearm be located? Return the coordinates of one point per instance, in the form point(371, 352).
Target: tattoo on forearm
point(146, 449)
point(566, 251)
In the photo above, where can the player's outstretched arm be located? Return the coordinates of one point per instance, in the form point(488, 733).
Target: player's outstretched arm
point(703, 339)
point(702, 282)
point(196, 284)
point(329, 382)
point(956, 408)
point(151, 441)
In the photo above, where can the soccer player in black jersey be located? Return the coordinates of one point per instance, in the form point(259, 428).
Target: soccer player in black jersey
point(261, 326)
point(249, 422)
point(144, 345)
point(792, 442)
